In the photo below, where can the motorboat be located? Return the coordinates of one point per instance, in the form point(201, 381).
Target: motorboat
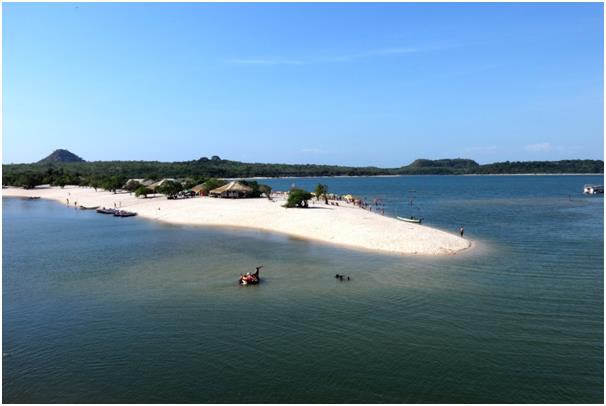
point(103, 210)
point(123, 213)
point(593, 189)
point(410, 219)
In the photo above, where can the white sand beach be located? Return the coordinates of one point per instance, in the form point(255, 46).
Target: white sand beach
point(345, 225)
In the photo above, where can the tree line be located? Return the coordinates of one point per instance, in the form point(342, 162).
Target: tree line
point(113, 174)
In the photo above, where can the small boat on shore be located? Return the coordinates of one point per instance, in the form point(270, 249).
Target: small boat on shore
point(33, 198)
point(410, 219)
point(89, 207)
point(250, 278)
point(123, 213)
point(103, 210)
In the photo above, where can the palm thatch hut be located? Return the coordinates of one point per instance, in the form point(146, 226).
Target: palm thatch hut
point(200, 189)
point(233, 190)
point(159, 183)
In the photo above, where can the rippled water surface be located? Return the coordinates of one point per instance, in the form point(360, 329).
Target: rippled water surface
point(101, 309)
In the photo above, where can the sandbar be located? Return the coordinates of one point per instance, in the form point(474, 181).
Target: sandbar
point(345, 225)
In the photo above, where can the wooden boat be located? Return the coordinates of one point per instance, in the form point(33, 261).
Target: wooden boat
point(250, 278)
point(106, 211)
point(410, 219)
point(89, 207)
point(33, 198)
point(122, 213)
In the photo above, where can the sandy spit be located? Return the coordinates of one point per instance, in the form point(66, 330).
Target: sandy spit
point(344, 225)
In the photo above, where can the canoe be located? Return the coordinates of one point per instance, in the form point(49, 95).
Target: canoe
point(410, 220)
point(89, 208)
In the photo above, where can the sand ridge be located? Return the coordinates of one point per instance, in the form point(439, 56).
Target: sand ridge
point(345, 225)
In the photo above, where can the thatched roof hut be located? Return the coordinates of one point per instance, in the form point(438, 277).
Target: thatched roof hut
point(140, 181)
point(232, 189)
point(155, 185)
point(199, 188)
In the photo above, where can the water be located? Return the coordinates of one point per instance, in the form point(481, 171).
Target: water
point(100, 309)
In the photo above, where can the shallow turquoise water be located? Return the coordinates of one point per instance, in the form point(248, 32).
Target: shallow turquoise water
point(100, 309)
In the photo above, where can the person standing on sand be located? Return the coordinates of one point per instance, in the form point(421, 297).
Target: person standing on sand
point(462, 231)
point(67, 200)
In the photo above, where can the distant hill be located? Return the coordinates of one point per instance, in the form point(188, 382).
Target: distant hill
point(61, 156)
point(440, 166)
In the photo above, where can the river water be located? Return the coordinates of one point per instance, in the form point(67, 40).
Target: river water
point(101, 309)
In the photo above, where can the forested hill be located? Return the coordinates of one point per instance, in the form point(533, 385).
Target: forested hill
point(215, 167)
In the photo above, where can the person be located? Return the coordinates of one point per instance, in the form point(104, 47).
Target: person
point(67, 200)
point(462, 231)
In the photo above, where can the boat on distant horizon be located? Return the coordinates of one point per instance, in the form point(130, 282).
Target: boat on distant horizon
point(593, 189)
point(410, 219)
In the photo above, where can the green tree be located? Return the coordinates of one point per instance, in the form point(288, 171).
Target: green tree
point(132, 185)
point(112, 183)
point(142, 191)
point(60, 181)
point(169, 188)
point(321, 191)
point(298, 198)
point(213, 183)
point(28, 181)
point(189, 183)
point(266, 190)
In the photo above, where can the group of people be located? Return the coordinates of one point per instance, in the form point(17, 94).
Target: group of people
point(250, 278)
point(342, 277)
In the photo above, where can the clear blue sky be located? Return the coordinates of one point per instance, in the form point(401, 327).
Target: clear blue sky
point(354, 84)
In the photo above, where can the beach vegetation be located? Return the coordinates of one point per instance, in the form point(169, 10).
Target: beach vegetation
point(257, 188)
point(143, 191)
point(265, 190)
point(298, 198)
point(132, 185)
point(321, 191)
point(113, 183)
point(213, 183)
point(170, 188)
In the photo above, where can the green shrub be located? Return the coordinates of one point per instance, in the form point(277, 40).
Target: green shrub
point(142, 191)
point(298, 198)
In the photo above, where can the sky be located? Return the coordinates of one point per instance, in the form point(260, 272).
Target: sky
point(344, 84)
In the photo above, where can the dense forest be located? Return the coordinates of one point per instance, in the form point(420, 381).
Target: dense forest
point(75, 171)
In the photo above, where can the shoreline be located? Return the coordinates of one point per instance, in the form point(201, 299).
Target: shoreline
point(401, 176)
point(345, 225)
